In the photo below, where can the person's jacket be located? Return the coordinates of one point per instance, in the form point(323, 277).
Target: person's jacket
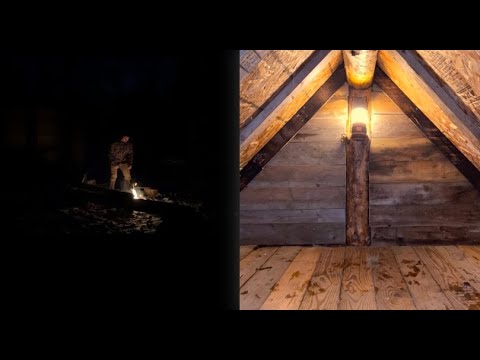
point(121, 153)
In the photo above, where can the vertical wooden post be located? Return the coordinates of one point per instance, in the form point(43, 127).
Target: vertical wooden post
point(358, 154)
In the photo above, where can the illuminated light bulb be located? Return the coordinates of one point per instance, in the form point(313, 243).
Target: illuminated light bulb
point(359, 115)
point(359, 122)
point(135, 195)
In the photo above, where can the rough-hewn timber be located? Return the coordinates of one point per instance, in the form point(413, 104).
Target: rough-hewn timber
point(288, 131)
point(360, 66)
point(266, 77)
point(417, 195)
point(290, 106)
point(425, 91)
point(460, 70)
point(428, 128)
point(299, 196)
point(357, 209)
point(357, 171)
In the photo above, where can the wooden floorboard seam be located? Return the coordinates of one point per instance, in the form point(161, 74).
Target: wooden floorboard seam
point(267, 258)
point(366, 256)
point(406, 284)
point(434, 277)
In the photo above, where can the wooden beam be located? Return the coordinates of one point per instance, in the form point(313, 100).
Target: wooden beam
point(357, 205)
point(266, 77)
point(459, 70)
point(428, 128)
point(427, 93)
point(357, 176)
point(321, 96)
point(283, 91)
point(249, 60)
point(357, 191)
point(289, 107)
point(360, 66)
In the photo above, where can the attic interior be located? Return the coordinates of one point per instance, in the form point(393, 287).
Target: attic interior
point(360, 179)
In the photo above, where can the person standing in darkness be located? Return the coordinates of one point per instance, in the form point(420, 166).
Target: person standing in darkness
point(121, 157)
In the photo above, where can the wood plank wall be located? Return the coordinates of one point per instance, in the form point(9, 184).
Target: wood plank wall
point(299, 197)
point(416, 194)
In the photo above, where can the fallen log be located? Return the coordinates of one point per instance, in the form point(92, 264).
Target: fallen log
point(82, 193)
point(169, 212)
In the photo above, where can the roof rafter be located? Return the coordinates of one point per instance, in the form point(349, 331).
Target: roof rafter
point(284, 135)
point(267, 76)
point(460, 75)
point(424, 89)
point(463, 165)
point(254, 138)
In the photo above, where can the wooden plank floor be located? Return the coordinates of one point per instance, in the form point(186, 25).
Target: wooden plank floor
point(352, 278)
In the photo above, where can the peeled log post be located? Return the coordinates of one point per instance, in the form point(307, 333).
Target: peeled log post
point(360, 67)
point(357, 176)
point(357, 221)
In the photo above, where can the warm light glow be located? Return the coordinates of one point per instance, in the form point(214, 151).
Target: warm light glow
point(135, 196)
point(359, 115)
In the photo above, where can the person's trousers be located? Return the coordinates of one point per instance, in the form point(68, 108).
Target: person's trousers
point(125, 172)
